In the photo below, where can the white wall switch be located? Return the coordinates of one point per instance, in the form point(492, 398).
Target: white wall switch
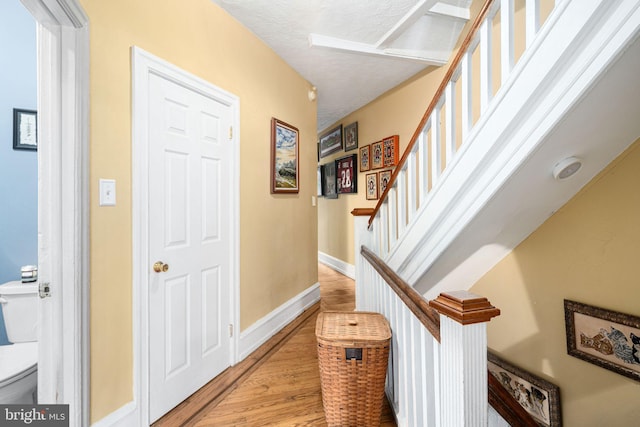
point(313, 200)
point(107, 192)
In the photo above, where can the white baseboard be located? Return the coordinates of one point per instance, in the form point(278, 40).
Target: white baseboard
point(126, 416)
point(258, 333)
point(348, 270)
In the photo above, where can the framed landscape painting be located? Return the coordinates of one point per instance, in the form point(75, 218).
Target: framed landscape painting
point(284, 157)
point(331, 141)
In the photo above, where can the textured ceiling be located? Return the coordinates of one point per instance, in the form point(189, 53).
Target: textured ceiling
point(363, 59)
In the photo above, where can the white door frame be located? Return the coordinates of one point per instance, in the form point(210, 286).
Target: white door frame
point(63, 188)
point(144, 64)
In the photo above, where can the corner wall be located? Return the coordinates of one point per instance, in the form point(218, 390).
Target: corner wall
point(278, 234)
point(586, 252)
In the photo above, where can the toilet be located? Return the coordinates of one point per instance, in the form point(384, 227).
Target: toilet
point(19, 361)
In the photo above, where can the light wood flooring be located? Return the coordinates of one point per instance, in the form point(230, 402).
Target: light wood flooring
point(279, 384)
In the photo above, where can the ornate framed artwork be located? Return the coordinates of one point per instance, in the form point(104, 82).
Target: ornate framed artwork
point(390, 147)
point(365, 157)
point(537, 396)
point(284, 157)
point(331, 141)
point(347, 174)
point(329, 189)
point(351, 137)
point(383, 180)
point(606, 338)
point(372, 186)
point(25, 129)
point(376, 155)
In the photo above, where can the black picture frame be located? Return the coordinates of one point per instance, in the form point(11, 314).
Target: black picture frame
point(329, 182)
point(351, 136)
point(25, 129)
point(347, 174)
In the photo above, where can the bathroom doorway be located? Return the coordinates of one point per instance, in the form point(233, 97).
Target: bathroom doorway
point(62, 255)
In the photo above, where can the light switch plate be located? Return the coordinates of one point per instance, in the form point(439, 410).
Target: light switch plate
point(107, 192)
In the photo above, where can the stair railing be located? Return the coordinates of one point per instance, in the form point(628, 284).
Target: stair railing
point(460, 102)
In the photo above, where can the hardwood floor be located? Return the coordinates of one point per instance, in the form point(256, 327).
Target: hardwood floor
point(278, 385)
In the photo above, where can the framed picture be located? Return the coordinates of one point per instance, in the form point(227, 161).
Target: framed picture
point(331, 141)
point(603, 337)
point(25, 129)
point(390, 147)
point(351, 136)
point(383, 180)
point(284, 157)
point(329, 189)
point(538, 397)
point(365, 154)
point(319, 181)
point(372, 186)
point(347, 174)
point(376, 155)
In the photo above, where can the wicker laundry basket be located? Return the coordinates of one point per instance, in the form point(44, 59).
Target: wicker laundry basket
point(353, 353)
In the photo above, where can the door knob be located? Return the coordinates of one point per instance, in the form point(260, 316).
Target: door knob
point(160, 267)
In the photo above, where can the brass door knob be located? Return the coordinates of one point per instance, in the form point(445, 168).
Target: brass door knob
point(160, 267)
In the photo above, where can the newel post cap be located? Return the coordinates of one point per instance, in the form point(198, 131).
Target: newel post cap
point(464, 307)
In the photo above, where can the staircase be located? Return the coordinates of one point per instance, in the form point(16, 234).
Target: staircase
point(478, 177)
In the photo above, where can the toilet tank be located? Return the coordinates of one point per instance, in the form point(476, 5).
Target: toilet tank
point(19, 303)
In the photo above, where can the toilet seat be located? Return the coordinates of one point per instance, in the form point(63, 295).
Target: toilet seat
point(17, 361)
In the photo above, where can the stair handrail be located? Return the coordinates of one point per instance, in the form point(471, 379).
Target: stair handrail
point(468, 40)
point(498, 397)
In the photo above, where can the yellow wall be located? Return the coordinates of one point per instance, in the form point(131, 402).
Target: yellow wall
point(278, 241)
point(586, 252)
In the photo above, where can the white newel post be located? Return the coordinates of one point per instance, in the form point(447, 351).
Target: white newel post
point(362, 236)
point(463, 358)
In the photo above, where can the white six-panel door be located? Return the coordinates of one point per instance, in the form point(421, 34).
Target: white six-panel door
point(189, 237)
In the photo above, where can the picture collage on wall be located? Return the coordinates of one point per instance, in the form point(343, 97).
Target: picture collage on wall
point(340, 176)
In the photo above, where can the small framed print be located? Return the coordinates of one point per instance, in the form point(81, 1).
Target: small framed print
point(372, 186)
point(383, 179)
point(365, 157)
point(376, 155)
point(390, 146)
point(25, 129)
point(351, 137)
point(331, 141)
point(347, 174)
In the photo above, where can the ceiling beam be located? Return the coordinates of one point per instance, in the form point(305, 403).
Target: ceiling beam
point(410, 18)
point(449, 11)
point(429, 58)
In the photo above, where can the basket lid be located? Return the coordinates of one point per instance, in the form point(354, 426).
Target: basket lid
point(352, 326)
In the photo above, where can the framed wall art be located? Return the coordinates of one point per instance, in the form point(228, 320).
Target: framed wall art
point(329, 189)
point(376, 155)
point(331, 141)
point(351, 137)
point(284, 157)
point(347, 174)
point(25, 129)
point(606, 338)
point(390, 147)
point(372, 186)
point(537, 396)
point(383, 180)
point(365, 158)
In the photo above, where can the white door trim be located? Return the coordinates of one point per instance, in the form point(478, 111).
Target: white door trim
point(144, 64)
point(63, 249)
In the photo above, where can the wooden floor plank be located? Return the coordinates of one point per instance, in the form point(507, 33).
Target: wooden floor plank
point(279, 384)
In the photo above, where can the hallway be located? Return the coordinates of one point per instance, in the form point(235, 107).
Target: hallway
point(282, 387)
